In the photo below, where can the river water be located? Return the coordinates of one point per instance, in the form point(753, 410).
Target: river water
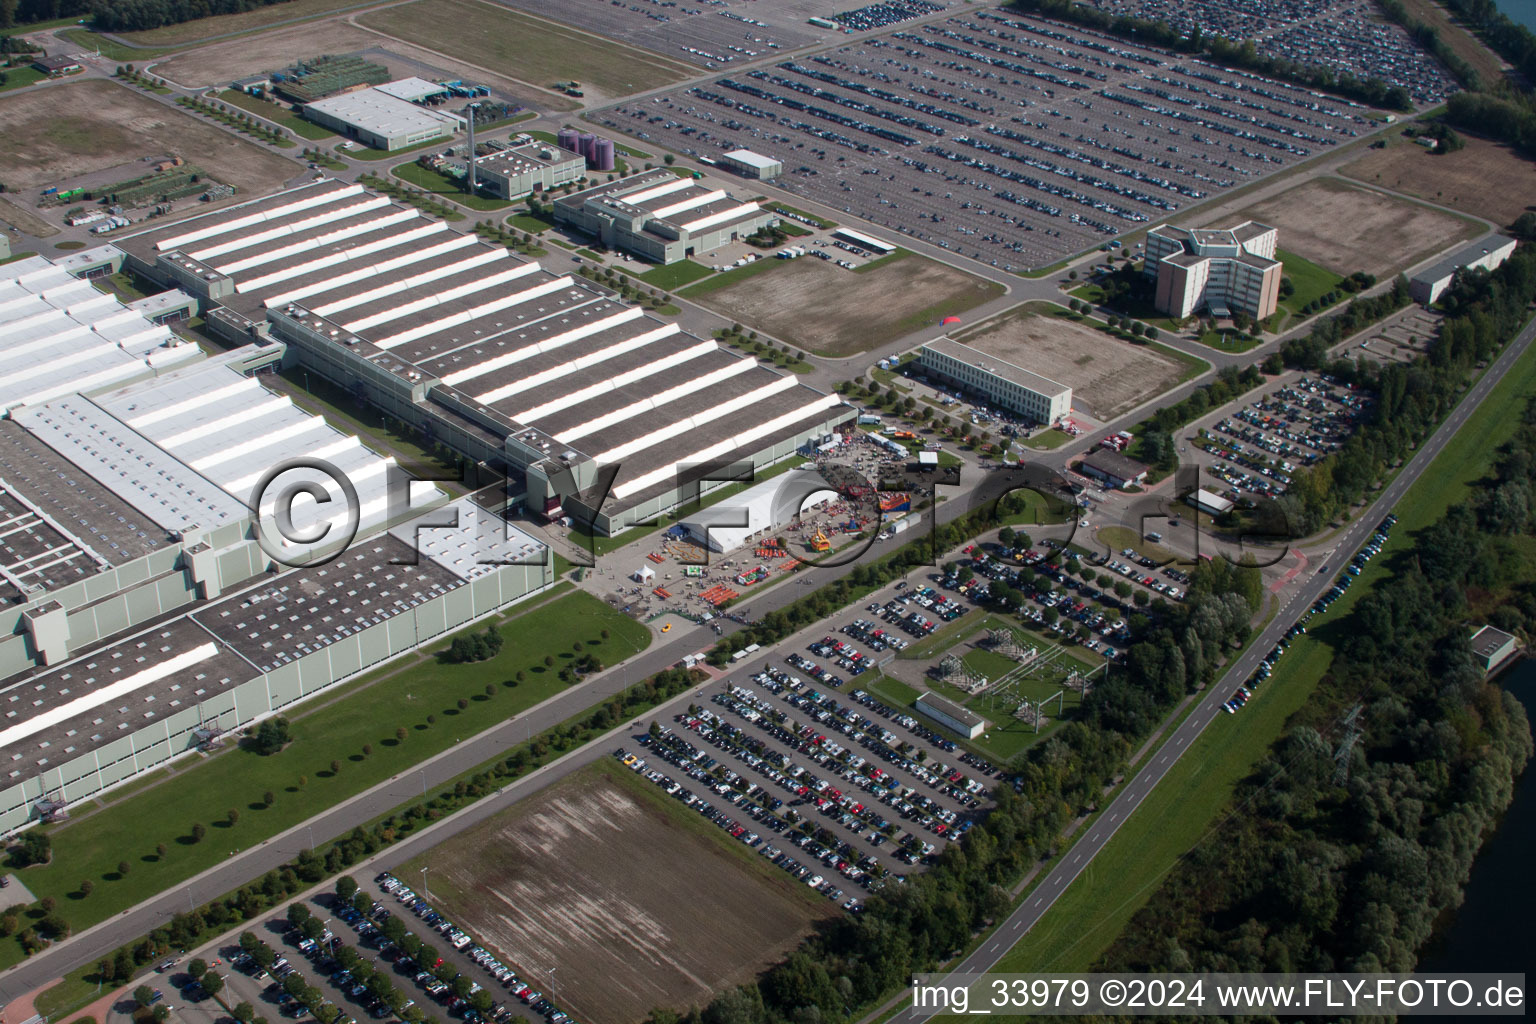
point(1521, 11)
point(1493, 925)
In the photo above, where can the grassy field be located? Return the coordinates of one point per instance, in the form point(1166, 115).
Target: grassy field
point(818, 307)
point(277, 114)
point(821, 222)
point(1226, 341)
point(1309, 280)
point(442, 185)
point(17, 78)
point(1187, 806)
point(530, 223)
point(260, 18)
point(676, 275)
point(335, 727)
point(358, 151)
point(535, 51)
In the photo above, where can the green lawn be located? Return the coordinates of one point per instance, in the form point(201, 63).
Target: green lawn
point(277, 114)
point(358, 151)
point(1047, 440)
point(1226, 341)
point(18, 78)
point(367, 711)
point(1182, 810)
point(727, 278)
point(448, 188)
point(16, 257)
point(899, 254)
point(676, 275)
point(530, 223)
point(821, 222)
point(1309, 280)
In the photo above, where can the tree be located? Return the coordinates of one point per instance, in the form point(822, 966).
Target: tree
point(122, 869)
point(268, 798)
point(269, 737)
point(198, 831)
point(212, 983)
point(245, 1013)
point(143, 995)
point(197, 968)
point(87, 887)
point(346, 887)
point(232, 816)
point(335, 767)
point(669, 159)
point(34, 847)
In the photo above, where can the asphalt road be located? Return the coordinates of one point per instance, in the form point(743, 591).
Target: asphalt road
point(1081, 854)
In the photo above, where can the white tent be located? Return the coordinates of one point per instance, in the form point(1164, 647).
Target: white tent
point(643, 574)
point(758, 510)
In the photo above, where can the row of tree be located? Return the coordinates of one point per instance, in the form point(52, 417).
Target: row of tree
point(137, 15)
point(1313, 872)
point(1245, 54)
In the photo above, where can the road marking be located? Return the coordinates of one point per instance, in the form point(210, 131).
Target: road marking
point(1039, 900)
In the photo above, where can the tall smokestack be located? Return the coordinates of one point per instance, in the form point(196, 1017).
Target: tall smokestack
point(469, 175)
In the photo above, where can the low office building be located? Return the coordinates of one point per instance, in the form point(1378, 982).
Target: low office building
point(1208, 502)
point(752, 165)
point(1485, 254)
point(951, 715)
point(57, 65)
point(1113, 469)
point(381, 121)
point(1223, 271)
point(1000, 383)
point(1493, 647)
point(660, 217)
point(535, 167)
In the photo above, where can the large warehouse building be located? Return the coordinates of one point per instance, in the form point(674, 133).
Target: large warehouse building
point(1484, 254)
point(144, 615)
point(544, 375)
point(380, 120)
point(1224, 271)
point(1000, 383)
point(660, 217)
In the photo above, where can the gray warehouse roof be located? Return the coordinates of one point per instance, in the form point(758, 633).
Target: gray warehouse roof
point(383, 114)
point(1461, 257)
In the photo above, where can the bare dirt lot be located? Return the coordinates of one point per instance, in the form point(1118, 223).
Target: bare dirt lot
point(598, 876)
point(66, 131)
point(1107, 376)
point(1485, 179)
point(220, 63)
point(1345, 228)
point(814, 304)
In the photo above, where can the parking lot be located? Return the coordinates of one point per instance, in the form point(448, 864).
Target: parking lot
point(1013, 140)
point(1348, 36)
point(1254, 450)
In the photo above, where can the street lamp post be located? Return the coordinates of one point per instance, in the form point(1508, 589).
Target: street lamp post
point(311, 832)
point(425, 891)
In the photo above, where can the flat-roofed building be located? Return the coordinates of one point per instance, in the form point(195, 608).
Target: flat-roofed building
point(1224, 271)
point(1493, 647)
point(951, 715)
point(535, 167)
point(864, 241)
point(752, 165)
point(512, 365)
point(1484, 254)
point(1113, 469)
point(57, 65)
point(414, 90)
point(661, 217)
point(1208, 502)
point(380, 120)
point(142, 613)
point(999, 382)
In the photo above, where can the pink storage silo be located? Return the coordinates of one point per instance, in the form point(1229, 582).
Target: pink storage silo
point(567, 139)
point(602, 155)
point(587, 142)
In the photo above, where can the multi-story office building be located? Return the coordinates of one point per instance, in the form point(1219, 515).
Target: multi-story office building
point(1225, 271)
